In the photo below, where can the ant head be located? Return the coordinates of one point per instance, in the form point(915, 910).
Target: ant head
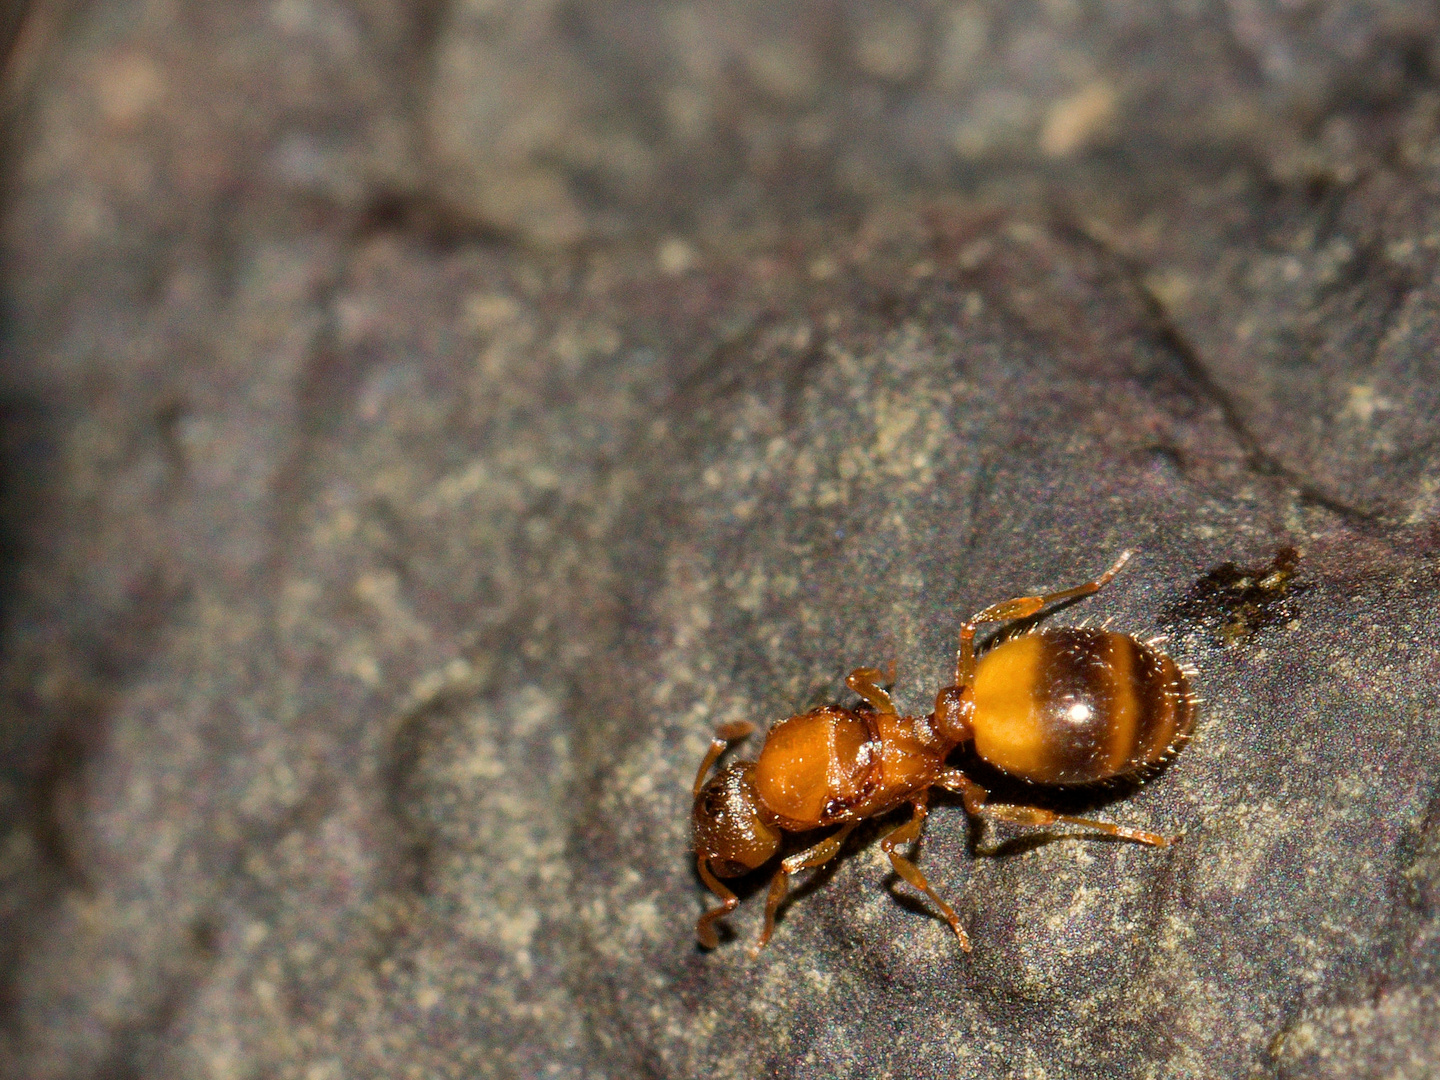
point(730, 828)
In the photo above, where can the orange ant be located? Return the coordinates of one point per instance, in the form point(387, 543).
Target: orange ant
point(1063, 706)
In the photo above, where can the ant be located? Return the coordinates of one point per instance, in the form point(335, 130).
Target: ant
point(1061, 706)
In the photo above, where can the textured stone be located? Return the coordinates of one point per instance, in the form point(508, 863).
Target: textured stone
point(423, 424)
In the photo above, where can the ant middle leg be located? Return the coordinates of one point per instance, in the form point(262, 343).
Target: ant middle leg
point(818, 855)
point(1021, 607)
point(909, 833)
point(1034, 817)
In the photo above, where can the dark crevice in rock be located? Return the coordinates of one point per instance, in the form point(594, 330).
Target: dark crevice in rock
point(1263, 464)
point(425, 220)
point(138, 1047)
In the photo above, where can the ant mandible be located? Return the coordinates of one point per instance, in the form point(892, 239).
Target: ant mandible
point(1056, 706)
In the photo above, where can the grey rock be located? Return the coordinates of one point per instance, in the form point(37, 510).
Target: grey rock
point(423, 425)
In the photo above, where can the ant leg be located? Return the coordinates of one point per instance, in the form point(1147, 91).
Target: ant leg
point(1034, 817)
point(725, 734)
point(909, 833)
point(1019, 608)
point(866, 681)
point(728, 903)
point(821, 853)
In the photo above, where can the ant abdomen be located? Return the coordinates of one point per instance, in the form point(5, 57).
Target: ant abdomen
point(1077, 706)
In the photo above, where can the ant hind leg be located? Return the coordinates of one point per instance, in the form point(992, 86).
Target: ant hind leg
point(1034, 817)
point(1022, 607)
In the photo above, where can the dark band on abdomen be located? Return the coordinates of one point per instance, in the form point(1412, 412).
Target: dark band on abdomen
point(1110, 705)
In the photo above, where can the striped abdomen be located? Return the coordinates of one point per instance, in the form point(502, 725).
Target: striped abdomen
point(1073, 706)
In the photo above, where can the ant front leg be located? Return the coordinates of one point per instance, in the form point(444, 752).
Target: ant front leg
point(704, 930)
point(867, 682)
point(724, 735)
point(1033, 817)
point(818, 855)
point(1019, 608)
point(907, 834)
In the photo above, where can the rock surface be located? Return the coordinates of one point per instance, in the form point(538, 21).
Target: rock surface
point(422, 424)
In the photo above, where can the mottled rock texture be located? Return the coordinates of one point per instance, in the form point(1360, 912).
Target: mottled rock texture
point(423, 423)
